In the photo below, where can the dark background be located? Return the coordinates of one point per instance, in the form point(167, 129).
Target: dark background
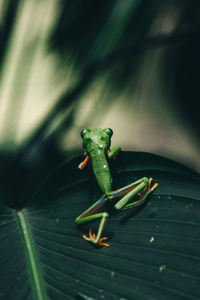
point(66, 65)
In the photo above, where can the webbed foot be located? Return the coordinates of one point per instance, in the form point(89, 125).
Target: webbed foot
point(148, 189)
point(92, 239)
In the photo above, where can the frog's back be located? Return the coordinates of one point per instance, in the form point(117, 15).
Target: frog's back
point(102, 172)
point(97, 143)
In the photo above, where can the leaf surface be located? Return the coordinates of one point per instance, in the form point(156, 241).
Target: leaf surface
point(155, 248)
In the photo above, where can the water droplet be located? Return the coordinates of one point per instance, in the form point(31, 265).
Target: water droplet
point(104, 166)
point(158, 197)
point(85, 297)
point(112, 274)
point(157, 226)
point(162, 268)
point(151, 239)
point(169, 197)
point(57, 220)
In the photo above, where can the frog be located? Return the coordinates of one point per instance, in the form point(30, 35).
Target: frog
point(97, 146)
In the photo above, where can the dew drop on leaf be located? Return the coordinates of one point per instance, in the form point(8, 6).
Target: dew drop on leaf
point(162, 268)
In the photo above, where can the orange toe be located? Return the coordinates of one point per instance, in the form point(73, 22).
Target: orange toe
point(149, 184)
point(155, 186)
point(103, 244)
point(90, 232)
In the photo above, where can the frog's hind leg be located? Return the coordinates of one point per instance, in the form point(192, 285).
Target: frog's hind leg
point(141, 188)
point(96, 238)
point(89, 216)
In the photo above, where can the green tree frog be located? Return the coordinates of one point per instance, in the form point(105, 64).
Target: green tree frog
point(97, 144)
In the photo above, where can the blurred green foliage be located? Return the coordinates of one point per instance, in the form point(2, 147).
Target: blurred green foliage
point(91, 42)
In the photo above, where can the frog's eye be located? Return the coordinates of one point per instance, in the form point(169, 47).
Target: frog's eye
point(109, 131)
point(83, 132)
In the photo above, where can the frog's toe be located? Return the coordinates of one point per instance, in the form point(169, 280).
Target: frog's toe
point(90, 236)
point(92, 239)
point(100, 243)
point(153, 187)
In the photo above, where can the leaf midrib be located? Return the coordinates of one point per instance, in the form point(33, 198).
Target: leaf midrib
point(31, 255)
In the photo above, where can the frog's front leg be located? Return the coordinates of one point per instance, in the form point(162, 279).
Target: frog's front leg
point(84, 163)
point(114, 152)
point(89, 216)
point(141, 188)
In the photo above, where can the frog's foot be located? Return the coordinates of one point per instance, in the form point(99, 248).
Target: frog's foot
point(153, 187)
point(148, 189)
point(92, 239)
point(115, 156)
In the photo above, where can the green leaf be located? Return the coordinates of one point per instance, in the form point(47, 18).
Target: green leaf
point(155, 248)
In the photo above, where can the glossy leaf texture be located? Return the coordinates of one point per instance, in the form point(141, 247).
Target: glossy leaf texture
point(155, 248)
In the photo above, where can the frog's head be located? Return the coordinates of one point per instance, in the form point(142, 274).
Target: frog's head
point(96, 139)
